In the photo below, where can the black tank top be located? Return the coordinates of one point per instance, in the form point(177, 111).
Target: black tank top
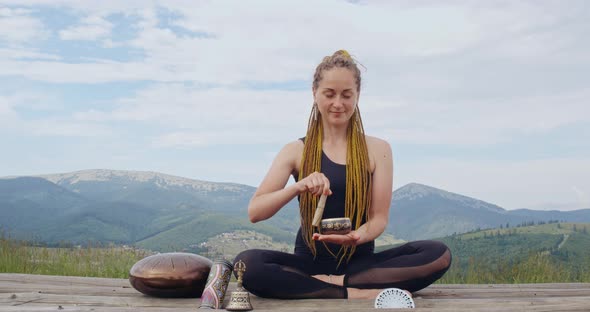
point(334, 208)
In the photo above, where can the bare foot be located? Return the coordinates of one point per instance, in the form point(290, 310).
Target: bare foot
point(330, 279)
point(322, 277)
point(356, 293)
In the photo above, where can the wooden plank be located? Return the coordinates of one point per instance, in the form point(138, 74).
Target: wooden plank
point(124, 283)
point(28, 299)
point(46, 287)
point(500, 293)
point(129, 301)
point(23, 292)
point(99, 281)
point(24, 299)
point(330, 308)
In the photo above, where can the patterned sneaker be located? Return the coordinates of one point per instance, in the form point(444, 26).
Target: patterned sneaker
point(393, 298)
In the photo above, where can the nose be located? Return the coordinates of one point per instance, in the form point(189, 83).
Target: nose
point(339, 101)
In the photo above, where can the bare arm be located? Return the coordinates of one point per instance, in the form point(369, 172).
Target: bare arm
point(272, 194)
point(381, 195)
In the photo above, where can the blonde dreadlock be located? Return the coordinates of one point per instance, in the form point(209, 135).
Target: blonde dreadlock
point(358, 177)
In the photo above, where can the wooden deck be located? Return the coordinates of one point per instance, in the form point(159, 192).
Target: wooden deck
point(21, 292)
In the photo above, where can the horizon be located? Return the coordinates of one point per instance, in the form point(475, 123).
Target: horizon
point(43, 175)
point(487, 100)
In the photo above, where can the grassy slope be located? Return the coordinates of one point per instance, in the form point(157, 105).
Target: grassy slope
point(112, 261)
point(201, 229)
point(520, 254)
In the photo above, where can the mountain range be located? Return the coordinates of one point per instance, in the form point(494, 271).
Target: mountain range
point(164, 212)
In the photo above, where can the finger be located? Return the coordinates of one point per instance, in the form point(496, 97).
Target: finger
point(318, 187)
point(333, 238)
point(340, 239)
point(306, 187)
point(312, 183)
point(354, 236)
point(311, 186)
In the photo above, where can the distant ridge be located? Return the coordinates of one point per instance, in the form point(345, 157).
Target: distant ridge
point(412, 191)
point(421, 212)
point(160, 179)
point(166, 212)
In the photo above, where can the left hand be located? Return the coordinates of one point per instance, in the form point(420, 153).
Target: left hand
point(350, 239)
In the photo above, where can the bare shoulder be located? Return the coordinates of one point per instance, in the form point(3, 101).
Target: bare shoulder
point(294, 148)
point(376, 143)
point(379, 150)
point(291, 153)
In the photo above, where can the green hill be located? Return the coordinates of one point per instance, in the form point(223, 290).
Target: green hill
point(556, 252)
point(164, 212)
point(200, 229)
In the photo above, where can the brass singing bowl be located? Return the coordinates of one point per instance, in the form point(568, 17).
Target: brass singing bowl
point(171, 275)
point(335, 226)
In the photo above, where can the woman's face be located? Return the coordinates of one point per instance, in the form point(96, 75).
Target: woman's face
point(336, 96)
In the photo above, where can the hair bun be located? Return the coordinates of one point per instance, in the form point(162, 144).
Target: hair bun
point(343, 53)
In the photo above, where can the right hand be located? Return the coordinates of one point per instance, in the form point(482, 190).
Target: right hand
point(315, 183)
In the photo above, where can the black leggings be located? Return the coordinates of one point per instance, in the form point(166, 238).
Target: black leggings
point(412, 266)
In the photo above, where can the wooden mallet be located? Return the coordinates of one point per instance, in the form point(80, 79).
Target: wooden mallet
point(319, 211)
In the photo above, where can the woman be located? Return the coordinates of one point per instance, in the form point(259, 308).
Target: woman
point(355, 171)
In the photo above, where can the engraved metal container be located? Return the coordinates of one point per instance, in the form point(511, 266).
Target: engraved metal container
point(239, 301)
point(216, 285)
point(240, 298)
point(335, 226)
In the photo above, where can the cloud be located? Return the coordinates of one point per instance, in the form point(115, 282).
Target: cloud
point(17, 26)
point(477, 122)
point(91, 28)
point(583, 197)
point(7, 113)
point(15, 118)
point(9, 117)
point(215, 116)
point(20, 53)
point(233, 136)
point(66, 128)
point(473, 75)
point(438, 103)
point(266, 44)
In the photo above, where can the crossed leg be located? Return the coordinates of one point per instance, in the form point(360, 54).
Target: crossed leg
point(411, 267)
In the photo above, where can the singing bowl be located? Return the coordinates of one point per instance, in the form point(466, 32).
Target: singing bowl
point(171, 275)
point(335, 226)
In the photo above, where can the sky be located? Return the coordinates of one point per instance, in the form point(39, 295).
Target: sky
point(488, 99)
